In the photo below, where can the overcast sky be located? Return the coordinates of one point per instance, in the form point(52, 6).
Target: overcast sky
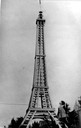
point(17, 48)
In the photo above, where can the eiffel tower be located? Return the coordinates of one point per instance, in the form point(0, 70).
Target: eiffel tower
point(40, 103)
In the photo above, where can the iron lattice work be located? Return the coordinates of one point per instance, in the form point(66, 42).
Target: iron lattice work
point(40, 104)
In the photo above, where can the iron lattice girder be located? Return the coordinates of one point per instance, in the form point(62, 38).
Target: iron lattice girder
point(40, 103)
point(37, 113)
point(40, 88)
point(43, 94)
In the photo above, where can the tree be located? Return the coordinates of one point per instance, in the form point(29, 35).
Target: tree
point(15, 123)
point(73, 119)
point(35, 125)
point(67, 108)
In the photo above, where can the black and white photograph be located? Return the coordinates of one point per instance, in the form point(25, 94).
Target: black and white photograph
point(40, 64)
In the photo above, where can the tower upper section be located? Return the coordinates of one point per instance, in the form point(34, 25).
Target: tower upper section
point(40, 78)
point(40, 50)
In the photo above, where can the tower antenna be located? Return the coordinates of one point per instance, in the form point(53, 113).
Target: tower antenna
point(40, 4)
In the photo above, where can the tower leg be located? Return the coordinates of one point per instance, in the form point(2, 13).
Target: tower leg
point(28, 117)
point(37, 114)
